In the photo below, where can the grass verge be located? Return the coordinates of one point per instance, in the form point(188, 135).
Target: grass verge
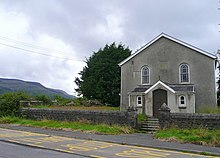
point(78, 107)
point(196, 136)
point(209, 110)
point(63, 125)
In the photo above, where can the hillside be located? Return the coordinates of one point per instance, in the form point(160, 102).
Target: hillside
point(31, 88)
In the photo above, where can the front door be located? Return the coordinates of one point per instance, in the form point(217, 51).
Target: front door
point(159, 97)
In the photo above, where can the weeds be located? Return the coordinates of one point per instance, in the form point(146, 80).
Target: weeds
point(81, 125)
point(197, 136)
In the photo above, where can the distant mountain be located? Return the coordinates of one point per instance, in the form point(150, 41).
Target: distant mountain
point(31, 88)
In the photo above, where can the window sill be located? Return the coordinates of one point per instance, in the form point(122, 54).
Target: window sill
point(139, 106)
point(182, 107)
point(184, 82)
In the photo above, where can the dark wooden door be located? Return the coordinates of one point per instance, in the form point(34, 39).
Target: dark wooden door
point(159, 97)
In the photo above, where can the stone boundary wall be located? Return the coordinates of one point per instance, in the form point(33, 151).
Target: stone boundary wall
point(188, 120)
point(107, 117)
point(195, 120)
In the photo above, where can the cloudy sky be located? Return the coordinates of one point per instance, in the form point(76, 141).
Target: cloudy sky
point(47, 40)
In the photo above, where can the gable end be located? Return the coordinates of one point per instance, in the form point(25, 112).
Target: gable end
point(172, 39)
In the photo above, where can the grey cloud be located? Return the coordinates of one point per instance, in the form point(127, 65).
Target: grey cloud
point(85, 26)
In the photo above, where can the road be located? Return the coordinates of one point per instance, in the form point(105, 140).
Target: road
point(10, 150)
point(51, 145)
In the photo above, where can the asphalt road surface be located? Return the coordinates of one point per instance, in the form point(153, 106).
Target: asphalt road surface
point(42, 145)
point(10, 150)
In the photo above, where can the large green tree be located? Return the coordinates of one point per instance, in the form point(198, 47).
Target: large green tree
point(100, 79)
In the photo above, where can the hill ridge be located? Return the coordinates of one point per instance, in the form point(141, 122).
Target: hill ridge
point(30, 87)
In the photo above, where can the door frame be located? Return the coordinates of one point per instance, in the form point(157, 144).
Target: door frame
point(164, 99)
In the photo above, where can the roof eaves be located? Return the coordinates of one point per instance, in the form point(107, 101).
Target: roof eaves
point(139, 50)
point(189, 46)
point(171, 38)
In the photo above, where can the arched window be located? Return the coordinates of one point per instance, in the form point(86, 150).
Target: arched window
point(182, 101)
point(139, 101)
point(184, 73)
point(145, 75)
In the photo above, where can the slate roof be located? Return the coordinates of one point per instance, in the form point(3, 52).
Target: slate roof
point(141, 88)
point(182, 87)
point(175, 87)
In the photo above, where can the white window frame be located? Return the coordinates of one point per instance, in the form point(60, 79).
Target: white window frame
point(180, 101)
point(145, 76)
point(180, 73)
point(139, 98)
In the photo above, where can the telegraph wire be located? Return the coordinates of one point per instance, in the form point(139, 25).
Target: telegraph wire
point(39, 53)
point(29, 45)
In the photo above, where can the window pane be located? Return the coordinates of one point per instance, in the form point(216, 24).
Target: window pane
point(184, 73)
point(145, 75)
point(139, 100)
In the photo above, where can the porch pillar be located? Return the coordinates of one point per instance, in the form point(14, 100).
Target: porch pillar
point(143, 104)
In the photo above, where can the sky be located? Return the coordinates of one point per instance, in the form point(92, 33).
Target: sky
point(47, 41)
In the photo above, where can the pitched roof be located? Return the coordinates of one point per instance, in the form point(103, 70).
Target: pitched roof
point(170, 38)
point(159, 83)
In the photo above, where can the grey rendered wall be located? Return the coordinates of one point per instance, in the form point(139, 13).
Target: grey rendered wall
point(163, 58)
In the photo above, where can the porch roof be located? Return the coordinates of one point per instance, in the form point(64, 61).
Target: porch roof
point(175, 87)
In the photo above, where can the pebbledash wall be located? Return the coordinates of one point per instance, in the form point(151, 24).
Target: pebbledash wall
point(128, 118)
point(188, 120)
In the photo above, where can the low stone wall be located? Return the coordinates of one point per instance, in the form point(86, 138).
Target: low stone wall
point(195, 120)
point(188, 120)
point(108, 117)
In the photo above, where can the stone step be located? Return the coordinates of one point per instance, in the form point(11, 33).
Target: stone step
point(151, 125)
point(152, 119)
point(148, 129)
point(145, 126)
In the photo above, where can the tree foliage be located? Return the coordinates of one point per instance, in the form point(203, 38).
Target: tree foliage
point(9, 102)
point(100, 78)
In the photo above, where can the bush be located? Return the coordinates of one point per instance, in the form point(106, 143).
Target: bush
point(9, 102)
point(86, 102)
point(63, 101)
point(45, 99)
point(80, 101)
point(141, 117)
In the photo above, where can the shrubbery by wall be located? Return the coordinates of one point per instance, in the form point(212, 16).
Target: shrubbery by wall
point(98, 117)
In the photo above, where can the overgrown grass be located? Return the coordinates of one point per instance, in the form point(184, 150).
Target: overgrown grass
point(41, 106)
point(197, 136)
point(107, 108)
point(64, 125)
point(209, 110)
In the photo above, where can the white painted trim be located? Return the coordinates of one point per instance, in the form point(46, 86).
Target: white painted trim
point(161, 83)
point(182, 105)
point(180, 73)
point(171, 38)
point(148, 74)
point(129, 100)
point(139, 105)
